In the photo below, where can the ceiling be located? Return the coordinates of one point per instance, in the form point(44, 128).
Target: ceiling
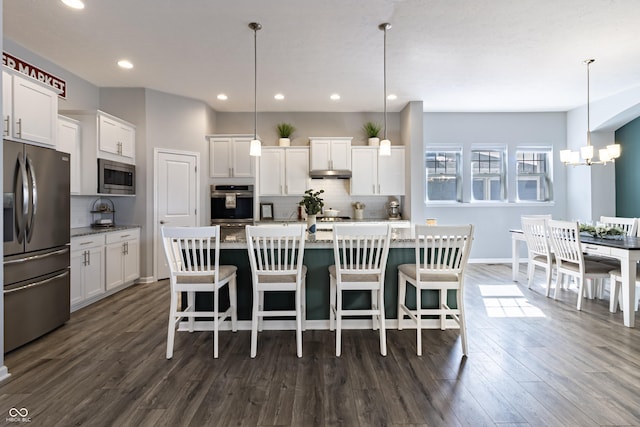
point(454, 55)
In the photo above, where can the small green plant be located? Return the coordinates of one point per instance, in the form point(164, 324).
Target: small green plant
point(285, 130)
point(371, 129)
point(312, 202)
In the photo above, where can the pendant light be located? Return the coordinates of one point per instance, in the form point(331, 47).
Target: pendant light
point(255, 149)
point(385, 144)
point(608, 154)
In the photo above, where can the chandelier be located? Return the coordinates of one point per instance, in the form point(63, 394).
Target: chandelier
point(608, 154)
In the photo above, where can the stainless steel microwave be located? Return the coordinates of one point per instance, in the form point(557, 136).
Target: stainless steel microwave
point(116, 177)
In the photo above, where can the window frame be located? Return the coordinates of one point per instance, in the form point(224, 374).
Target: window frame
point(547, 176)
point(488, 177)
point(457, 175)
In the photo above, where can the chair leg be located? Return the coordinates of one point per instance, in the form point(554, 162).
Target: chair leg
point(299, 323)
point(443, 303)
point(381, 317)
point(549, 272)
point(375, 320)
point(338, 321)
point(171, 330)
point(233, 303)
point(418, 321)
point(254, 325)
point(614, 295)
point(580, 293)
point(191, 306)
point(530, 273)
point(261, 308)
point(559, 279)
point(332, 303)
point(216, 321)
point(303, 297)
point(402, 292)
point(463, 323)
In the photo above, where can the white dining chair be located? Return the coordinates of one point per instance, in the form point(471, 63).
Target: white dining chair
point(615, 294)
point(538, 247)
point(360, 254)
point(564, 237)
point(276, 258)
point(193, 254)
point(628, 225)
point(441, 254)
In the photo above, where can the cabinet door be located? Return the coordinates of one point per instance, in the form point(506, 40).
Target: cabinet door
point(77, 276)
point(320, 154)
point(114, 265)
point(127, 140)
point(391, 173)
point(108, 131)
point(341, 154)
point(242, 163)
point(7, 102)
point(131, 262)
point(219, 157)
point(69, 141)
point(296, 171)
point(94, 273)
point(35, 112)
point(364, 171)
point(272, 172)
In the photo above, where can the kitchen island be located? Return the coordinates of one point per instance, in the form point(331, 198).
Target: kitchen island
point(318, 257)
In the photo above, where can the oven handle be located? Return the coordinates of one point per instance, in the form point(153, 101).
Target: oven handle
point(40, 283)
point(222, 195)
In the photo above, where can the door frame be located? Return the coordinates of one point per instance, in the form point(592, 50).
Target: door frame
point(156, 154)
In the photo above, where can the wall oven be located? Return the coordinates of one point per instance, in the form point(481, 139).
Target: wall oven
point(116, 177)
point(231, 205)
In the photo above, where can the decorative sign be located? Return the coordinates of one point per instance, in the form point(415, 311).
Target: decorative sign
point(35, 73)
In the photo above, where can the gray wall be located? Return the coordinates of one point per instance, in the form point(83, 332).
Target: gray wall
point(492, 221)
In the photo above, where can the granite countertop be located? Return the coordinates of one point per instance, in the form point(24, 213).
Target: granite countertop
point(323, 239)
point(86, 231)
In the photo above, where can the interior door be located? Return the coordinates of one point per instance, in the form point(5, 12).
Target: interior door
point(176, 198)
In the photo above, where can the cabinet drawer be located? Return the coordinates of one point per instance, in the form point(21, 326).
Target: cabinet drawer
point(123, 236)
point(596, 250)
point(85, 242)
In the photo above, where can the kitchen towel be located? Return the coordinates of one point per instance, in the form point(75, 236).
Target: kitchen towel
point(230, 201)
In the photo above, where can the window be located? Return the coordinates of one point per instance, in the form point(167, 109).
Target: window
point(444, 181)
point(533, 177)
point(488, 174)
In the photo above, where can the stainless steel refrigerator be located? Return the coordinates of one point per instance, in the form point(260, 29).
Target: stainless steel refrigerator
point(36, 242)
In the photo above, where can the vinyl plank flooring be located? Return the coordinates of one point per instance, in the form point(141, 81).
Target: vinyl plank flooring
point(107, 367)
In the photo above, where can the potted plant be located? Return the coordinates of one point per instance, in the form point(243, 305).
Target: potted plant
point(284, 131)
point(312, 203)
point(372, 130)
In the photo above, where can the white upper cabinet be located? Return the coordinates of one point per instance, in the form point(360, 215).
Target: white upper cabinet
point(229, 156)
point(70, 141)
point(30, 110)
point(330, 153)
point(284, 171)
point(373, 174)
point(116, 139)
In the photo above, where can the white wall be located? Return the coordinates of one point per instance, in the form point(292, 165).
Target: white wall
point(492, 221)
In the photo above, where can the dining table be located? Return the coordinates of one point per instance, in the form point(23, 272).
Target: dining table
point(626, 249)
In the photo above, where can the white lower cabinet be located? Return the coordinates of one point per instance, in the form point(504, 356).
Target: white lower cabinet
point(87, 269)
point(102, 263)
point(123, 257)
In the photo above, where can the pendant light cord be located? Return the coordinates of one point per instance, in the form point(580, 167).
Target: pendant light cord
point(588, 62)
point(255, 27)
point(384, 27)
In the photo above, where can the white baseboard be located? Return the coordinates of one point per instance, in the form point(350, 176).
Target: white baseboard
point(4, 373)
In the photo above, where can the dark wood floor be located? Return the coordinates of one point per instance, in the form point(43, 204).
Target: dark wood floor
point(544, 363)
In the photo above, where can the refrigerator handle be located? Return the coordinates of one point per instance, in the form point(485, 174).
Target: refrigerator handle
point(34, 199)
point(21, 217)
point(39, 283)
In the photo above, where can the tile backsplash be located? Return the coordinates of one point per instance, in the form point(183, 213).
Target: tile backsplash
point(336, 196)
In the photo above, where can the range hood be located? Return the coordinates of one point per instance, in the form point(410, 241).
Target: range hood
point(330, 174)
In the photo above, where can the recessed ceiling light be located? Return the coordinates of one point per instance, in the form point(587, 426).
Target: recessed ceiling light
point(278, 96)
point(74, 4)
point(391, 97)
point(123, 63)
point(222, 97)
point(335, 97)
